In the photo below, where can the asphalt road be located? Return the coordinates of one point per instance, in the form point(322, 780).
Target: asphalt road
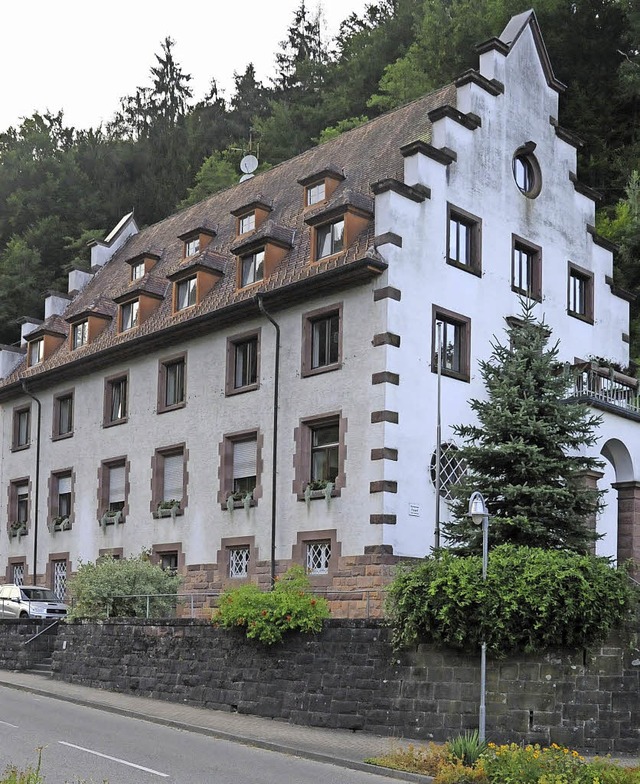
point(82, 744)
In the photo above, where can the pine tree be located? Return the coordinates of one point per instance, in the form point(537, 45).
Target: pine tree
point(526, 454)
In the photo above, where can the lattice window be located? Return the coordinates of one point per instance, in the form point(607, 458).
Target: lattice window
point(318, 555)
point(238, 562)
point(18, 574)
point(60, 579)
point(452, 469)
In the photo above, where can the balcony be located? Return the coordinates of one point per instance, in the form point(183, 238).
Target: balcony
point(605, 388)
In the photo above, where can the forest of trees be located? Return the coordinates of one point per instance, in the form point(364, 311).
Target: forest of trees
point(60, 187)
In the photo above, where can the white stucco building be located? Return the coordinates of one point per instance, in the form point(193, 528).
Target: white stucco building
point(154, 379)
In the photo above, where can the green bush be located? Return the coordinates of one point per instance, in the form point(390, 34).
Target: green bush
point(267, 616)
point(117, 588)
point(532, 600)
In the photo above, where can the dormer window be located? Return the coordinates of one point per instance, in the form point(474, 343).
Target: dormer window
point(36, 352)
point(129, 315)
point(142, 263)
point(314, 194)
point(192, 246)
point(329, 239)
point(252, 268)
point(186, 293)
point(137, 270)
point(247, 223)
point(79, 334)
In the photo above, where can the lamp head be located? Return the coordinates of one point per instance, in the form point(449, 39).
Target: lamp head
point(477, 508)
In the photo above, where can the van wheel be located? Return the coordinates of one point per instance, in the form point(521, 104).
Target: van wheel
point(24, 614)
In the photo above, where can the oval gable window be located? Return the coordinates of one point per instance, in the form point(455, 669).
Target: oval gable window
point(526, 171)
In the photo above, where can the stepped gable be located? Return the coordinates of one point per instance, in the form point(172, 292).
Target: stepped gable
point(364, 155)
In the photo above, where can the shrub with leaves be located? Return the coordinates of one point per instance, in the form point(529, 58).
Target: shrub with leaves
point(267, 616)
point(112, 588)
point(532, 600)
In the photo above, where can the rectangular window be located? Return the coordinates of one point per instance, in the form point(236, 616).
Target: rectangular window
point(463, 240)
point(247, 223)
point(329, 239)
point(325, 334)
point(137, 270)
point(63, 415)
point(244, 466)
point(315, 193)
point(246, 363)
point(21, 427)
point(172, 381)
point(113, 477)
point(526, 270)
point(168, 483)
point(186, 291)
point(252, 268)
point(325, 440)
point(36, 352)
point(191, 247)
point(580, 293)
point(62, 500)
point(116, 480)
point(129, 315)
point(239, 562)
point(18, 574)
point(169, 561)
point(79, 334)
point(21, 511)
point(115, 400)
point(59, 579)
point(453, 350)
point(318, 555)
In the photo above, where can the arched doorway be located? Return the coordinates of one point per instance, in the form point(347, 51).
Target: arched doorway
point(619, 468)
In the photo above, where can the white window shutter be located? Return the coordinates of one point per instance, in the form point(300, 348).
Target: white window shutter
point(173, 477)
point(64, 484)
point(116, 484)
point(244, 458)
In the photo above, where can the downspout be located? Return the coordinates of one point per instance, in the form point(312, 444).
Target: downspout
point(37, 481)
point(274, 458)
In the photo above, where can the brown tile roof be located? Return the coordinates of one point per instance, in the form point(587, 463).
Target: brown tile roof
point(363, 155)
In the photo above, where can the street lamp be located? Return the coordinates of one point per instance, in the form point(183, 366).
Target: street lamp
point(479, 513)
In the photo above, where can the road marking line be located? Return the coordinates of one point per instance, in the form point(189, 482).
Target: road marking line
point(115, 759)
point(6, 724)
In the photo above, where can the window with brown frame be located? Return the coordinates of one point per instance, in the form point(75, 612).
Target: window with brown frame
point(19, 502)
point(247, 222)
point(113, 490)
point(322, 340)
point(115, 400)
point(79, 334)
point(320, 454)
point(240, 467)
point(62, 415)
point(580, 293)
point(21, 428)
point(138, 270)
point(36, 351)
point(453, 349)
point(526, 269)
point(169, 480)
point(464, 240)
point(243, 361)
point(172, 383)
point(314, 193)
point(329, 239)
point(129, 314)
point(61, 499)
point(186, 293)
point(318, 552)
point(251, 268)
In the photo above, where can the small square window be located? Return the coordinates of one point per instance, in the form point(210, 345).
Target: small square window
point(171, 383)
point(329, 239)
point(63, 415)
point(186, 293)
point(169, 561)
point(318, 555)
point(36, 352)
point(463, 240)
point(453, 349)
point(129, 315)
point(21, 427)
point(247, 223)
point(137, 270)
point(526, 270)
point(239, 562)
point(79, 334)
point(252, 268)
point(580, 293)
point(115, 400)
point(315, 193)
point(191, 247)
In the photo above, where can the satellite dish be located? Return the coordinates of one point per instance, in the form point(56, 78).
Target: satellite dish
point(248, 164)
point(246, 177)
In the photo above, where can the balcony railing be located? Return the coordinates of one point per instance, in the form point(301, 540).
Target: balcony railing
point(605, 387)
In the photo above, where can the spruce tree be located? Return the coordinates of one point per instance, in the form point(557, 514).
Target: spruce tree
point(526, 455)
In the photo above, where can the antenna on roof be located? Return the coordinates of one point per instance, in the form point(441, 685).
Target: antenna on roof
point(249, 162)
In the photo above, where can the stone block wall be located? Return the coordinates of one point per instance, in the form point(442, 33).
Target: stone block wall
point(349, 677)
point(14, 653)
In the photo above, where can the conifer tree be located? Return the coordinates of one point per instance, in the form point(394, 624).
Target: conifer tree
point(526, 454)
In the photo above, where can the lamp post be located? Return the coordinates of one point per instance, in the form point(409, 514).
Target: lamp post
point(480, 515)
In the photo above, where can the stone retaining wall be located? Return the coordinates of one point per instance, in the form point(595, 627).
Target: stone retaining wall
point(349, 677)
point(14, 654)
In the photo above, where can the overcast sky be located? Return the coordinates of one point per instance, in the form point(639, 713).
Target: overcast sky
point(82, 56)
